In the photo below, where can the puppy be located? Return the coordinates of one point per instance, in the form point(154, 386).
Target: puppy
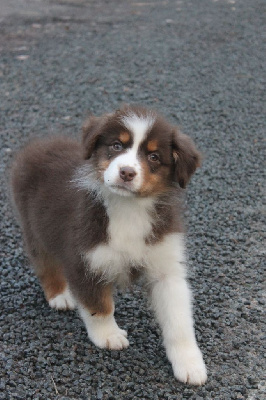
point(105, 211)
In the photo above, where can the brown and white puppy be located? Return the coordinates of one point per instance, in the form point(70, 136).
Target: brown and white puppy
point(98, 214)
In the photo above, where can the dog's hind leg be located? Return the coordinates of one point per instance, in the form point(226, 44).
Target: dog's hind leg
point(54, 284)
point(52, 279)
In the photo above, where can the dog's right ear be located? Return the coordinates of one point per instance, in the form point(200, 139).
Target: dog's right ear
point(92, 130)
point(186, 158)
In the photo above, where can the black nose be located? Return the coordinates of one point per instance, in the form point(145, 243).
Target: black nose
point(127, 174)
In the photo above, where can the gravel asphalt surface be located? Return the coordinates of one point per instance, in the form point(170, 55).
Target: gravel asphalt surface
point(201, 64)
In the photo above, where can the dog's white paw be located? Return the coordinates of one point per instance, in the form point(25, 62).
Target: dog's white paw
point(63, 301)
point(188, 364)
point(116, 339)
point(103, 331)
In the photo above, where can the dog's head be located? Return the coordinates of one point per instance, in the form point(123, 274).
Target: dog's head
point(136, 152)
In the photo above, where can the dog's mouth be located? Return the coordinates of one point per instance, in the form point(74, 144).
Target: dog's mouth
point(122, 190)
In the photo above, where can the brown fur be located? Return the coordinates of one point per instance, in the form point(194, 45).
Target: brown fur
point(187, 158)
point(52, 278)
point(167, 216)
point(43, 194)
point(103, 303)
point(154, 184)
point(60, 223)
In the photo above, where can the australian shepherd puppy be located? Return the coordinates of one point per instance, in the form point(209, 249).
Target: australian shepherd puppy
point(102, 212)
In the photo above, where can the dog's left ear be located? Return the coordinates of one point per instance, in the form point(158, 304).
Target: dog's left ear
point(92, 130)
point(186, 158)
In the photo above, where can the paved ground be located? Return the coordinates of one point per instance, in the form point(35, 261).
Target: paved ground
point(201, 64)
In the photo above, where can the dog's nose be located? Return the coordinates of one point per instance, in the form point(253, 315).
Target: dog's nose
point(127, 174)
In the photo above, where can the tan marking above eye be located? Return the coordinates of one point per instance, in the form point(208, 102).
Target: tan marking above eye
point(124, 137)
point(152, 145)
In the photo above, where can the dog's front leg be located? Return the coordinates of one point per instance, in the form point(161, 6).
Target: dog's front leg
point(97, 311)
point(171, 300)
point(103, 330)
point(96, 307)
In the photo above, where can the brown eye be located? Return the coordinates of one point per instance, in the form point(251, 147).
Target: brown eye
point(117, 146)
point(154, 157)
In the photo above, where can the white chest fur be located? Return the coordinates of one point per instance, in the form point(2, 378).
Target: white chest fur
point(130, 222)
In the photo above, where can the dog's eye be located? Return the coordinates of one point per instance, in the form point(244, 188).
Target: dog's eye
point(154, 157)
point(117, 146)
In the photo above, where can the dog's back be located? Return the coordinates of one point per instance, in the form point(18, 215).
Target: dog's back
point(40, 162)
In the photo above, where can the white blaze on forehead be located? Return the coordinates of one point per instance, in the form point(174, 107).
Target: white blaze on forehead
point(139, 126)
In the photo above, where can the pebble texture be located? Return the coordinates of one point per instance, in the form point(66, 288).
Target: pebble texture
point(201, 64)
